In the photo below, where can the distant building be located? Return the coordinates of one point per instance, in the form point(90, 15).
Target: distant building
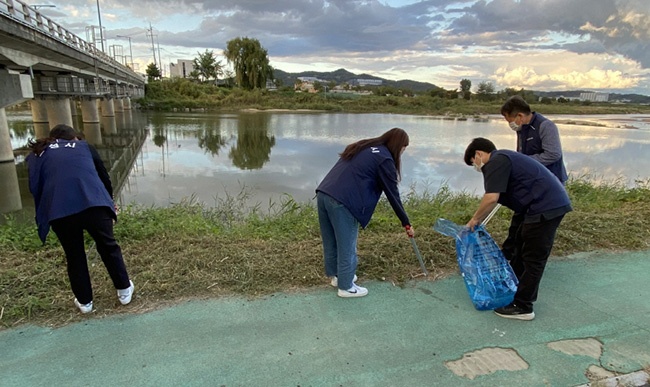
point(366, 82)
point(270, 85)
point(307, 84)
point(310, 79)
point(181, 69)
point(594, 97)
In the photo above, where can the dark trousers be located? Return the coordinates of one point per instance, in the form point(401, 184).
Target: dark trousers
point(99, 224)
point(534, 242)
point(509, 246)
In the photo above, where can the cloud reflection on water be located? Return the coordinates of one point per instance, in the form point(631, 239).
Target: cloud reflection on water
point(210, 155)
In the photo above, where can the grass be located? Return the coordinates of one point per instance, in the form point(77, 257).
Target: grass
point(191, 251)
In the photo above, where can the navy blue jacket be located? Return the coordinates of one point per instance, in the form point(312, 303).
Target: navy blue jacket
point(65, 180)
point(532, 189)
point(540, 140)
point(359, 182)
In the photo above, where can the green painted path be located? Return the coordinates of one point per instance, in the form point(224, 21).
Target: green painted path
point(593, 314)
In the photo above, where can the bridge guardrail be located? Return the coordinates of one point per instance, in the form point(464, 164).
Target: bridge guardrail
point(75, 86)
point(30, 17)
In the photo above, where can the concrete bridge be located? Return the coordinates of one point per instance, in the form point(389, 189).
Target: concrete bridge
point(58, 72)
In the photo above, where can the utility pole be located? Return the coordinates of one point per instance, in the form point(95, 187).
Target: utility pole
point(101, 32)
point(153, 48)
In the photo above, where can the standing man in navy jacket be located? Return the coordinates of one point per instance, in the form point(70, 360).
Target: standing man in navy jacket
point(539, 138)
point(72, 193)
point(528, 188)
point(347, 197)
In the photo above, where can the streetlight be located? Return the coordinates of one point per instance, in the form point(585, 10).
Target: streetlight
point(37, 6)
point(101, 33)
point(130, 50)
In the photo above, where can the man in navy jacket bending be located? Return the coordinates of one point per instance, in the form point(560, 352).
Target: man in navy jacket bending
point(527, 187)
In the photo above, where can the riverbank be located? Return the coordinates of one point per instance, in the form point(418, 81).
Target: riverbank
point(187, 251)
point(183, 95)
point(171, 98)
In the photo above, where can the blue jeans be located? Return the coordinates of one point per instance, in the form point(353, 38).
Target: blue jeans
point(339, 231)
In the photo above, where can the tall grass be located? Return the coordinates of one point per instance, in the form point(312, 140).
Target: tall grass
point(192, 251)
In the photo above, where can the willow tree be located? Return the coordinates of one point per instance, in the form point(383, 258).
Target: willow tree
point(250, 61)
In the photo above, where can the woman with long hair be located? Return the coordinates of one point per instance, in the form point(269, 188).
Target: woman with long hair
point(347, 198)
point(72, 193)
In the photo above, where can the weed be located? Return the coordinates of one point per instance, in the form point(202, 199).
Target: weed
point(188, 250)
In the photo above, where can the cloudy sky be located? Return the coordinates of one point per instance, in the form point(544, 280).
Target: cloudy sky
point(600, 45)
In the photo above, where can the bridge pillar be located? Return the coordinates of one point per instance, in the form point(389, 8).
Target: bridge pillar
point(90, 118)
point(58, 111)
point(89, 110)
point(9, 189)
point(39, 117)
point(127, 103)
point(119, 105)
point(73, 107)
point(93, 133)
point(15, 87)
point(108, 109)
point(127, 122)
point(109, 124)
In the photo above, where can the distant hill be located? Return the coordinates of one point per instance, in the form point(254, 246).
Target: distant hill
point(342, 76)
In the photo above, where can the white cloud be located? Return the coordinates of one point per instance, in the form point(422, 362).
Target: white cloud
point(547, 44)
point(595, 78)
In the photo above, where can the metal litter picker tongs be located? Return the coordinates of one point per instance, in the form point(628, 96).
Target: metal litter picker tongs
point(490, 215)
point(418, 255)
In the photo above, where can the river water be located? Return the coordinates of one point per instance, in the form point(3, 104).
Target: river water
point(275, 155)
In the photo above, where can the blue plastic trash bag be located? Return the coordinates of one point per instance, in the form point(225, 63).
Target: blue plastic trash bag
point(489, 279)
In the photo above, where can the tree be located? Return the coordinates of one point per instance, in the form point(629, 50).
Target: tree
point(253, 147)
point(509, 91)
point(485, 91)
point(546, 101)
point(451, 94)
point(211, 140)
point(229, 77)
point(527, 95)
point(194, 75)
point(208, 66)
point(250, 61)
point(438, 92)
point(152, 72)
point(465, 87)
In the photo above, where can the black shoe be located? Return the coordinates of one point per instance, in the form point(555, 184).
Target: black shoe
point(515, 312)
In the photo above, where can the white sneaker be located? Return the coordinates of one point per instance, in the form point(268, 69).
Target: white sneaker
point(354, 291)
point(84, 308)
point(124, 295)
point(335, 280)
